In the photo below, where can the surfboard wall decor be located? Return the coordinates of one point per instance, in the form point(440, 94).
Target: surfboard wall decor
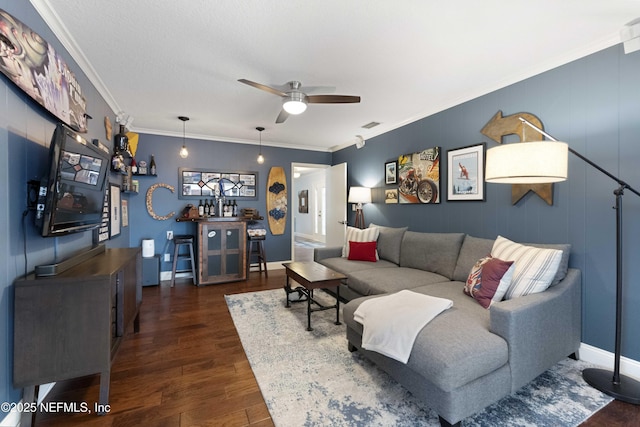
point(277, 200)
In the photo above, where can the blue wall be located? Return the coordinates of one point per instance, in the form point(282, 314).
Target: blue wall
point(594, 105)
point(25, 134)
point(214, 156)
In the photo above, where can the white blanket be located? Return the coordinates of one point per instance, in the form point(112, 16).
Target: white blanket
point(392, 322)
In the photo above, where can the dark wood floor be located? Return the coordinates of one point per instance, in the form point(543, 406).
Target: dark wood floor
point(187, 367)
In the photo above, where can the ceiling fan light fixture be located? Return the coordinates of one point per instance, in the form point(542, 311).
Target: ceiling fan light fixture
point(295, 103)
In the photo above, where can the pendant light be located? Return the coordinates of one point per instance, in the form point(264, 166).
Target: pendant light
point(260, 156)
point(184, 153)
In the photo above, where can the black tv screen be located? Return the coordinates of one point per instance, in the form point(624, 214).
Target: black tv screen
point(75, 185)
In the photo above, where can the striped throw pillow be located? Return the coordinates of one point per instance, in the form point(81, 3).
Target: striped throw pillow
point(356, 235)
point(534, 267)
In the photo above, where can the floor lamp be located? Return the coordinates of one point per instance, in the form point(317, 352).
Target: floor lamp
point(545, 162)
point(359, 195)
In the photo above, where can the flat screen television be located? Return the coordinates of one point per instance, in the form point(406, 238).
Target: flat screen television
point(71, 197)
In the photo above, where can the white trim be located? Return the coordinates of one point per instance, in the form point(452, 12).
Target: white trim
point(605, 359)
point(53, 21)
point(13, 418)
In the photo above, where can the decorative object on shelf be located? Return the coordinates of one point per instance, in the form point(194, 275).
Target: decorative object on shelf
point(545, 161)
point(184, 153)
point(260, 159)
point(391, 172)
point(465, 166)
point(114, 220)
point(142, 168)
point(199, 183)
point(294, 101)
point(303, 201)
point(149, 201)
point(152, 166)
point(108, 129)
point(133, 143)
point(121, 142)
point(31, 59)
point(359, 195)
point(500, 126)
point(118, 164)
point(419, 177)
point(277, 200)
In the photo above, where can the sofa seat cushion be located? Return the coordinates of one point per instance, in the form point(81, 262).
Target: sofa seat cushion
point(388, 280)
point(454, 348)
point(346, 266)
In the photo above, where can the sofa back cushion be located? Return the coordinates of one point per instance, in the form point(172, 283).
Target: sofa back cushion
point(389, 242)
point(473, 249)
point(563, 268)
point(435, 252)
point(356, 235)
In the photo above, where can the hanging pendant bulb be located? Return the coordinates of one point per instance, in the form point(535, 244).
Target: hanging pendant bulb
point(184, 153)
point(260, 156)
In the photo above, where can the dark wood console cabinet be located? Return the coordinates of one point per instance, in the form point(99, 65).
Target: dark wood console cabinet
point(70, 325)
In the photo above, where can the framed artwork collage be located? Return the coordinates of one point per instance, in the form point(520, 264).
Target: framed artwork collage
point(415, 177)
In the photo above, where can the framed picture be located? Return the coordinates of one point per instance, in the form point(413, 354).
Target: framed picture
point(303, 201)
point(391, 196)
point(205, 183)
point(466, 173)
point(124, 213)
point(419, 177)
point(391, 172)
point(115, 209)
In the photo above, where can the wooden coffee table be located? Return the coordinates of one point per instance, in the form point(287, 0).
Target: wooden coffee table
point(310, 276)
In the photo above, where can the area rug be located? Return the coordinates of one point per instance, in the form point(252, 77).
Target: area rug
point(311, 379)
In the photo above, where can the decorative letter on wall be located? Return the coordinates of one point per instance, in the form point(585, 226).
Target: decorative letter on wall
point(500, 126)
point(150, 202)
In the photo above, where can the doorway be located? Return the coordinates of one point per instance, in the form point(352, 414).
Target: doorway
point(316, 199)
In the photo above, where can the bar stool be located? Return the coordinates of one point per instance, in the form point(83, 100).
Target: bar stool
point(255, 246)
point(179, 241)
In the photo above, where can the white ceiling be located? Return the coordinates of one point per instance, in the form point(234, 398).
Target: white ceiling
point(407, 59)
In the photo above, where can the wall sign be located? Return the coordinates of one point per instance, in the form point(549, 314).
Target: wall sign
point(36, 68)
point(202, 183)
point(149, 202)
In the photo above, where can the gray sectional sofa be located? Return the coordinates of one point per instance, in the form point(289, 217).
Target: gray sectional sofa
point(468, 357)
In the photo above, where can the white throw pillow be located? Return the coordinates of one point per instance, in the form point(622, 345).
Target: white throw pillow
point(534, 267)
point(356, 235)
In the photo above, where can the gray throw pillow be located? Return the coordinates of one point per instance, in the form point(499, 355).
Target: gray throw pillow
point(389, 242)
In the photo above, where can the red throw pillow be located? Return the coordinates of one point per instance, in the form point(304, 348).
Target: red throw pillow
point(362, 251)
point(492, 272)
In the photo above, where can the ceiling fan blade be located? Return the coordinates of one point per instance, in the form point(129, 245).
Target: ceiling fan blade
point(332, 99)
point(262, 87)
point(282, 116)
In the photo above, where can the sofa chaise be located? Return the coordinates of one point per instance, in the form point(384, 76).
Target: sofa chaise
point(469, 356)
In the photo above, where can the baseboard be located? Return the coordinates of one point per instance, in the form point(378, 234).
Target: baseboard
point(166, 275)
point(13, 418)
point(605, 359)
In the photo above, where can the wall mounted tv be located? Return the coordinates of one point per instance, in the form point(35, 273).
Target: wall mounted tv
point(71, 197)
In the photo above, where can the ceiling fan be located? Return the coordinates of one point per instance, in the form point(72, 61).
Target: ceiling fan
point(294, 101)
